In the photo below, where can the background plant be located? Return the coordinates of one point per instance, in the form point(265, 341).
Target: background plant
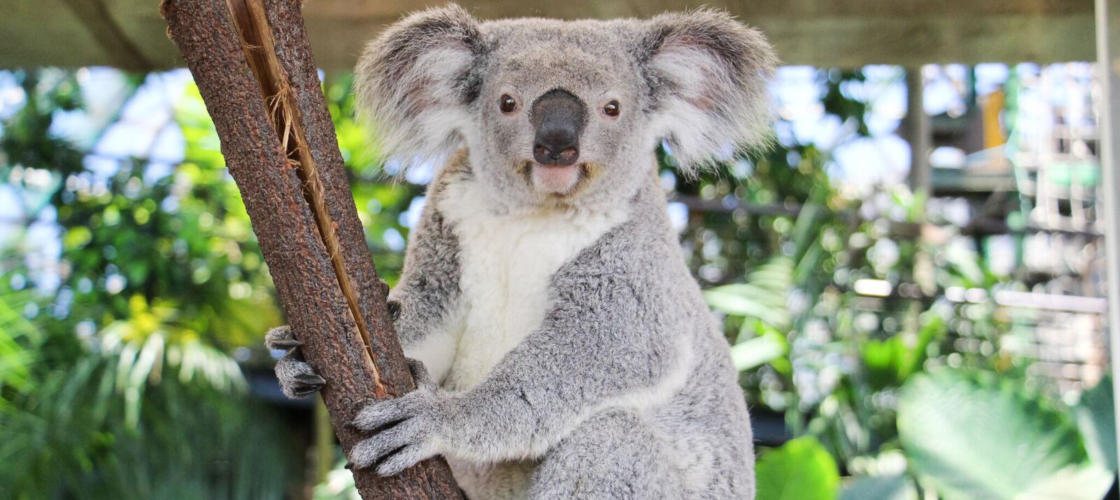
point(133, 299)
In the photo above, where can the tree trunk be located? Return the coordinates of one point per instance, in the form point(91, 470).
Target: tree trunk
point(253, 66)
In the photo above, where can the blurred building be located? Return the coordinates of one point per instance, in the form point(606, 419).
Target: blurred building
point(1029, 174)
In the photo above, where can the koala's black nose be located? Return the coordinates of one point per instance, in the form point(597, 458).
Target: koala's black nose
point(558, 117)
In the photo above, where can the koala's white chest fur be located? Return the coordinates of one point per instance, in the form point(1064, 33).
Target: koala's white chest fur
point(507, 262)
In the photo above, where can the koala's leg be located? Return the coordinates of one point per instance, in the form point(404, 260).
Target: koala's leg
point(614, 454)
point(297, 378)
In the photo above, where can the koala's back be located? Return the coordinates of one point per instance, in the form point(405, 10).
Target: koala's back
point(710, 428)
point(700, 412)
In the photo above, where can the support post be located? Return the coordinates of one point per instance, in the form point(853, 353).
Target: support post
point(918, 133)
point(1108, 49)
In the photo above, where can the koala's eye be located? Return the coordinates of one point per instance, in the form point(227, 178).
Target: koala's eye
point(611, 108)
point(507, 103)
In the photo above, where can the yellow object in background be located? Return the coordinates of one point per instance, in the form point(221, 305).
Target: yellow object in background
point(991, 106)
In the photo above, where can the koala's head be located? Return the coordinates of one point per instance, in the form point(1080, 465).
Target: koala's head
point(554, 111)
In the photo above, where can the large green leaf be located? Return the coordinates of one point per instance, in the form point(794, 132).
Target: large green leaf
point(971, 436)
point(890, 362)
point(1095, 417)
point(739, 302)
point(896, 487)
point(19, 341)
point(799, 470)
point(757, 351)
point(1089, 482)
point(763, 296)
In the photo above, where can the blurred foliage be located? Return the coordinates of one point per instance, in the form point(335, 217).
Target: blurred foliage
point(786, 253)
point(884, 487)
point(338, 485)
point(27, 139)
point(131, 419)
point(116, 379)
point(972, 435)
point(801, 469)
point(383, 199)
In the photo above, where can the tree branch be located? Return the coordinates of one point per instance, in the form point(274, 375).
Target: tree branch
point(253, 67)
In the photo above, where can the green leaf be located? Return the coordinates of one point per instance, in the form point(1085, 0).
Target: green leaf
point(805, 230)
point(757, 351)
point(890, 362)
point(895, 487)
point(1095, 418)
point(733, 302)
point(763, 297)
point(753, 293)
point(970, 436)
point(1088, 482)
point(799, 470)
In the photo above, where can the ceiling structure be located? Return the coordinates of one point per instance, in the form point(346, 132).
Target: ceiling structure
point(130, 34)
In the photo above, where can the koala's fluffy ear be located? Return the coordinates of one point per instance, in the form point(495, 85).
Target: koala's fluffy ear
point(415, 82)
point(707, 76)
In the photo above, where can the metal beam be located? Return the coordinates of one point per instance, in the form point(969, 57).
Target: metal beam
point(829, 33)
point(97, 19)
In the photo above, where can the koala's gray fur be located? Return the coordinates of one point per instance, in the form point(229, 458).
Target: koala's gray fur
point(622, 387)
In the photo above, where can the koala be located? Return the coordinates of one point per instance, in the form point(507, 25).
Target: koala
point(561, 347)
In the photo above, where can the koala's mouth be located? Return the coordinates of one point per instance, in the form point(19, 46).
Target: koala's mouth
point(556, 180)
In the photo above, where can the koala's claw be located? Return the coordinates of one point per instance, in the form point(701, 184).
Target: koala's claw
point(381, 413)
point(394, 309)
point(419, 373)
point(394, 449)
point(281, 338)
point(284, 344)
point(297, 378)
point(406, 428)
point(302, 391)
point(310, 379)
point(385, 443)
point(401, 460)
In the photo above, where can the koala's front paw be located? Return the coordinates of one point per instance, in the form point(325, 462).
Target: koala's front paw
point(416, 419)
point(297, 379)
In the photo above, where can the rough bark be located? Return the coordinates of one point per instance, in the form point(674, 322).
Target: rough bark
point(253, 67)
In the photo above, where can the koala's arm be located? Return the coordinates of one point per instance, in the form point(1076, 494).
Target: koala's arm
point(429, 282)
point(606, 342)
point(612, 338)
